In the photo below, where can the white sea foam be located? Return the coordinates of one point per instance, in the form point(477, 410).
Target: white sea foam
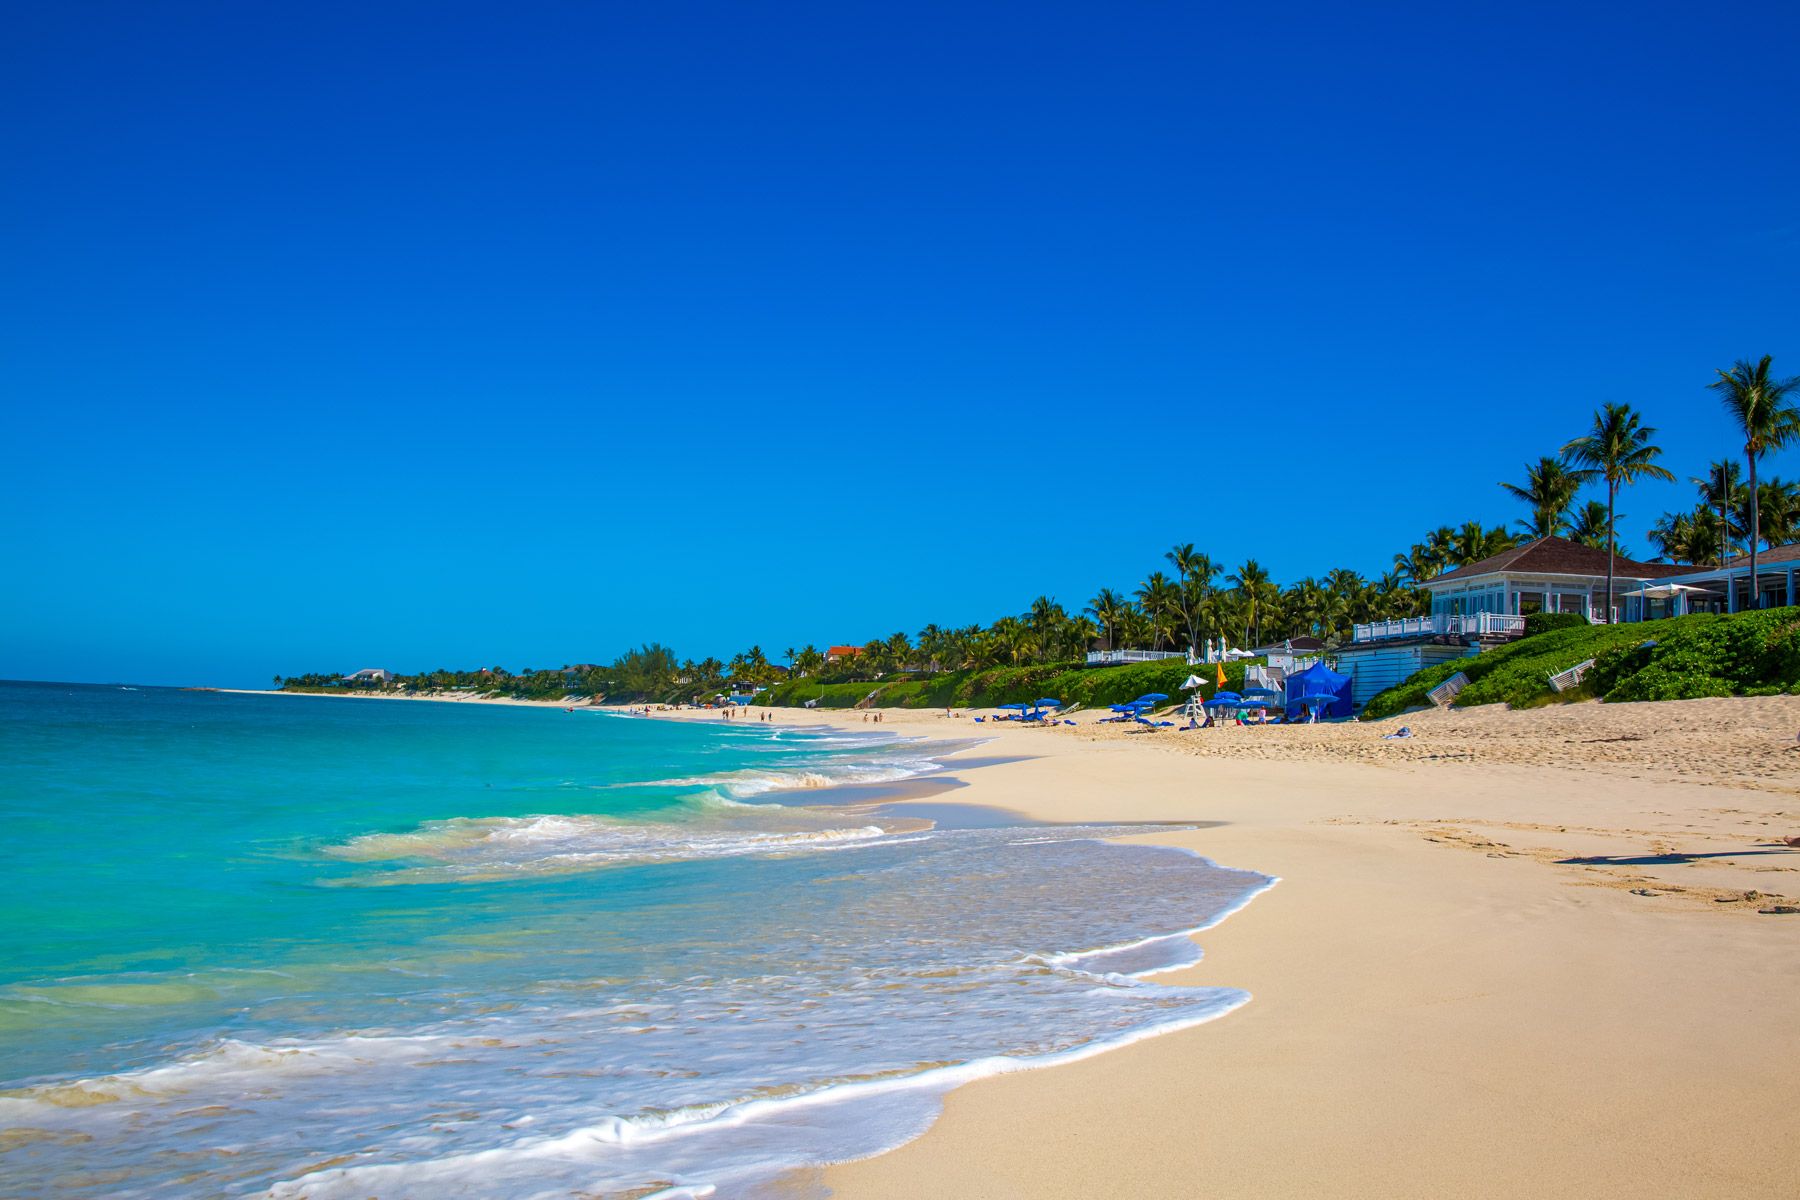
point(773, 1014)
point(757, 781)
point(486, 848)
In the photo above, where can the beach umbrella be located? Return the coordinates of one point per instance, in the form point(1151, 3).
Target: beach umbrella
point(1049, 703)
point(1017, 706)
point(1150, 698)
point(1271, 692)
point(1225, 698)
point(1192, 682)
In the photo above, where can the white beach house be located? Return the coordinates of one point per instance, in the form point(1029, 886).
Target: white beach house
point(1485, 603)
point(1545, 575)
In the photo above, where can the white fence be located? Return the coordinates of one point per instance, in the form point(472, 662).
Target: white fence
point(1113, 658)
point(1471, 625)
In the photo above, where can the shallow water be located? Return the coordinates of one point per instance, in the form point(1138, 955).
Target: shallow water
point(308, 947)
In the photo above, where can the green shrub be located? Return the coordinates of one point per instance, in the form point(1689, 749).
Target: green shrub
point(1679, 658)
point(1544, 622)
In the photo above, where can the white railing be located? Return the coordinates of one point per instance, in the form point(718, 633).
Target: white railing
point(1470, 625)
point(1109, 658)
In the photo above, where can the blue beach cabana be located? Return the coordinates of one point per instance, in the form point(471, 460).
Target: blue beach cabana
point(1321, 688)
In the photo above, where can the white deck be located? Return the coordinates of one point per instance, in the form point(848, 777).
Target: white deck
point(1113, 658)
point(1441, 624)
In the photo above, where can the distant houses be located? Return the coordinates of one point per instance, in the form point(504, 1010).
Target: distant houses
point(841, 653)
point(368, 675)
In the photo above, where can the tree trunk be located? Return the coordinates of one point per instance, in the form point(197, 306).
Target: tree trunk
point(1755, 534)
point(1612, 546)
point(1724, 519)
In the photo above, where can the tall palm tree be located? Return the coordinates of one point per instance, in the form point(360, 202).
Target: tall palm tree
point(1160, 598)
point(1108, 607)
point(1618, 448)
point(1549, 489)
point(1045, 616)
point(1195, 573)
point(1254, 586)
point(1763, 410)
point(1722, 489)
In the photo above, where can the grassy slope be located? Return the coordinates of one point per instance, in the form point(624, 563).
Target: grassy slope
point(986, 687)
point(1701, 655)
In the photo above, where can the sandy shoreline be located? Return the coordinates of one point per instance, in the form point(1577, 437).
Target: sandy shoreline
point(1480, 974)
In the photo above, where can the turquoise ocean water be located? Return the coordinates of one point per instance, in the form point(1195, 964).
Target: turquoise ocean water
point(299, 946)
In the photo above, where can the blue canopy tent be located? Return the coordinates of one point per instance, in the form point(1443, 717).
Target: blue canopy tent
point(1318, 680)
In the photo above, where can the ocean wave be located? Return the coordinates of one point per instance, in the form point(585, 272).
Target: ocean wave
point(476, 849)
point(756, 781)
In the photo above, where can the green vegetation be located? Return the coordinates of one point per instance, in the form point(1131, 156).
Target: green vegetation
point(1680, 658)
point(1543, 622)
point(986, 687)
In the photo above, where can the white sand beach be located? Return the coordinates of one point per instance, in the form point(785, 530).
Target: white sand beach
point(1521, 954)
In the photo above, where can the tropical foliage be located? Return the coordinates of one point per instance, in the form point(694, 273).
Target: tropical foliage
point(1762, 409)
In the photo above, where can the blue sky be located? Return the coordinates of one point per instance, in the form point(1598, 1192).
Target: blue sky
point(418, 335)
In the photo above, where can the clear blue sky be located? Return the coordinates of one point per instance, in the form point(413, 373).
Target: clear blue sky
point(444, 334)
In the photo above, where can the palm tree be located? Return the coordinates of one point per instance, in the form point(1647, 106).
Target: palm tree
point(900, 651)
point(1722, 489)
point(1475, 541)
point(1108, 607)
point(1346, 599)
point(1253, 585)
point(1775, 514)
point(1763, 411)
point(1045, 615)
point(1072, 637)
point(1549, 489)
point(1195, 571)
point(1306, 606)
point(1588, 526)
point(1673, 536)
point(1618, 449)
point(1160, 598)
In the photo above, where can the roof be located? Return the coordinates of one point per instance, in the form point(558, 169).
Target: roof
point(1560, 556)
point(844, 651)
point(1780, 554)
